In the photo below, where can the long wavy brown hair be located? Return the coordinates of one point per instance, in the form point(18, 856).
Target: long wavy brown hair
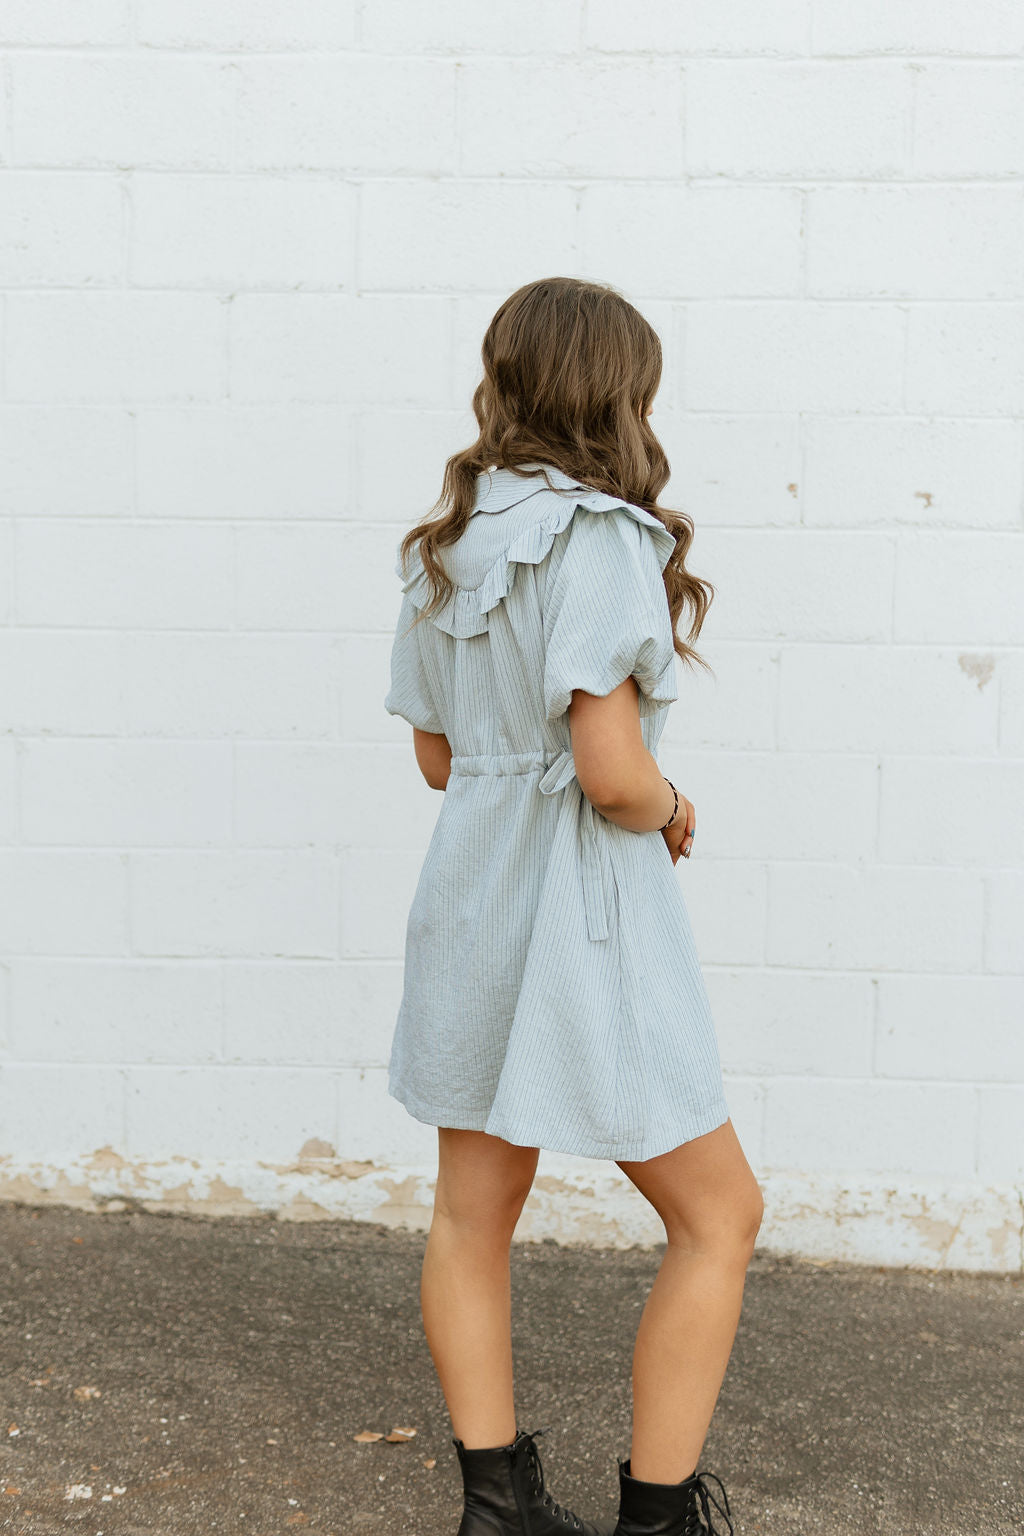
point(570, 370)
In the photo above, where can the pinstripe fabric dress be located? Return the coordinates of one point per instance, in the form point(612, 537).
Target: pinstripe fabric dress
point(552, 991)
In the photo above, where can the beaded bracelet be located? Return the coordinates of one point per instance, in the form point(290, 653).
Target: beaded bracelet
point(675, 809)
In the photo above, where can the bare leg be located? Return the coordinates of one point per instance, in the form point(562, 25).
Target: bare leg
point(465, 1287)
point(707, 1196)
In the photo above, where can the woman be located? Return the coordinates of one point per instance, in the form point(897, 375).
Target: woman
point(553, 996)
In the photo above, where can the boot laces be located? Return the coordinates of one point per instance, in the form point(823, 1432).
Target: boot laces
point(537, 1478)
point(699, 1519)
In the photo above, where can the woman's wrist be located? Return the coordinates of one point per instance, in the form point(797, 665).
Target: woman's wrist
point(651, 805)
point(674, 813)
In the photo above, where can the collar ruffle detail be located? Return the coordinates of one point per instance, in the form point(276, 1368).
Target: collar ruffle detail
point(465, 612)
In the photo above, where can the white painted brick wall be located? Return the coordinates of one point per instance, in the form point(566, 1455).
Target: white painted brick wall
point(247, 255)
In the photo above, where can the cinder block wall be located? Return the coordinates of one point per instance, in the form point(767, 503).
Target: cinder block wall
point(248, 254)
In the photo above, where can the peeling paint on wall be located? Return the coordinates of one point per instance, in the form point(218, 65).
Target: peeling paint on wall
point(925, 1224)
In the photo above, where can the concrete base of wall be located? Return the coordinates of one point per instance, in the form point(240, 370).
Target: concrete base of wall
point(912, 1222)
point(931, 1224)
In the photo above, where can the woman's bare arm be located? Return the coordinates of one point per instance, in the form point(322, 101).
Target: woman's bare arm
point(617, 773)
point(434, 756)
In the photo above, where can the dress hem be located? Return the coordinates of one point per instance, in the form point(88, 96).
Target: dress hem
point(715, 1114)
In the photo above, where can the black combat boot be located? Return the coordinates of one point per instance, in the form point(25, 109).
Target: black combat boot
point(669, 1509)
point(505, 1494)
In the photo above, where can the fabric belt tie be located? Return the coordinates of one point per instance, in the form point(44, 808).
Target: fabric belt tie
point(597, 876)
point(560, 772)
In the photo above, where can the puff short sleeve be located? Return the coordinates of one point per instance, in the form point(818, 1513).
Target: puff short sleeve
point(410, 693)
point(606, 613)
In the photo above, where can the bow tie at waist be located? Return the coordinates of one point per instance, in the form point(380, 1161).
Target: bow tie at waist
point(560, 773)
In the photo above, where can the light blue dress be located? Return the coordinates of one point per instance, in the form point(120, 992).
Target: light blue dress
point(552, 991)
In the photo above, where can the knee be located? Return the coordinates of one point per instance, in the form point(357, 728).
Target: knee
point(753, 1217)
point(466, 1212)
point(745, 1223)
point(728, 1230)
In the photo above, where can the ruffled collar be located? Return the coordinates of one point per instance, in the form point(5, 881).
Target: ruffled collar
point(465, 612)
point(498, 489)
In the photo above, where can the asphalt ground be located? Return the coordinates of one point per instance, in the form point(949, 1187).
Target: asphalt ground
point(178, 1375)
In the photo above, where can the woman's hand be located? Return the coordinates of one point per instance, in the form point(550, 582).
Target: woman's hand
point(677, 836)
